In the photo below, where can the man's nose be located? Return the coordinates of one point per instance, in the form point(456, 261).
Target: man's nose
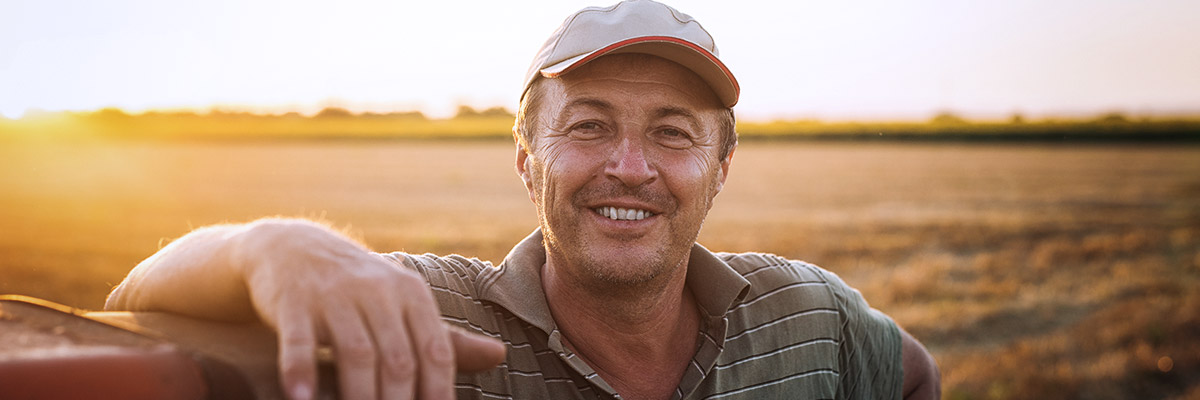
point(628, 164)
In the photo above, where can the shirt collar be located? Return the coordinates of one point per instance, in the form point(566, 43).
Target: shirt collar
point(516, 284)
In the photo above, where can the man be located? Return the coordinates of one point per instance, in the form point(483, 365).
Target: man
point(624, 137)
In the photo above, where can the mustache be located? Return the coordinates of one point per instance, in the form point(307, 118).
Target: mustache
point(660, 199)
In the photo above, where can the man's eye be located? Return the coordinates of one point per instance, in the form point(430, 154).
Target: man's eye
point(587, 130)
point(674, 138)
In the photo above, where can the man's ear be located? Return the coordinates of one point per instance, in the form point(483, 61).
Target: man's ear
point(523, 166)
point(724, 173)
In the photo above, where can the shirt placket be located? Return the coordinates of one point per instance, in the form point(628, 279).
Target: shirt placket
point(575, 362)
point(712, 342)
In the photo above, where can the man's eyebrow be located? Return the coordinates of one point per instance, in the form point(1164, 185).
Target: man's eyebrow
point(676, 112)
point(589, 102)
point(662, 112)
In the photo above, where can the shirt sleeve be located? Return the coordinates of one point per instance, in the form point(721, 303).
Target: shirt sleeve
point(452, 279)
point(870, 350)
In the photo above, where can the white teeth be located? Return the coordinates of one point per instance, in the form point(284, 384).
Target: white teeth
point(624, 214)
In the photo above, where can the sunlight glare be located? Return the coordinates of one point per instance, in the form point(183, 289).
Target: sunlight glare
point(11, 113)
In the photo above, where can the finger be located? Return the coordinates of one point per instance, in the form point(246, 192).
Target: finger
point(354, 350)
point(432, 344)
point(474, 352)
point(297, 347)
point(397, 363)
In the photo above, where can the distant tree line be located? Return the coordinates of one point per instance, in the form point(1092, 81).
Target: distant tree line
point(496, 123)
point(112, 114)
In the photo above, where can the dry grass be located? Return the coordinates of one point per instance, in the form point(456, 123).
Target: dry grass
point(1029, 271)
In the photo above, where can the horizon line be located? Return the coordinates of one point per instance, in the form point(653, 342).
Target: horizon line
point(493, 111)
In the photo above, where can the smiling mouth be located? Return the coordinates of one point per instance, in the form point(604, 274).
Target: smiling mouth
point(623, 214)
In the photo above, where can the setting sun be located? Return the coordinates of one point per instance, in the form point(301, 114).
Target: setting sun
point(11, 113)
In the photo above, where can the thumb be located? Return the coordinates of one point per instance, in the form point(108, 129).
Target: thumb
point(474, 352)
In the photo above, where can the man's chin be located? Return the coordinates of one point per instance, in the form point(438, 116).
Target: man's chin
point(626, 267)
point(616, 259)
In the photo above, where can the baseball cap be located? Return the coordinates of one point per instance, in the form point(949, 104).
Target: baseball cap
point(634, 26)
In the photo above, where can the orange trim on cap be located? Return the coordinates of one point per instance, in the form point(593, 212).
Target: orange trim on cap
point(736, 88)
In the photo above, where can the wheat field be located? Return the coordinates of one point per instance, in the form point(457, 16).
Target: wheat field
point(1030, 271)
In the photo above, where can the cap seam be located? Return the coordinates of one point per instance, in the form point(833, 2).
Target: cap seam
point(571, 22)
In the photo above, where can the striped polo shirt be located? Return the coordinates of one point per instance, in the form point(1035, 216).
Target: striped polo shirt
point(771, 328)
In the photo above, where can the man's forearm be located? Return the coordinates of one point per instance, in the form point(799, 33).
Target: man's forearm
point(196, 275)
point(314, 286)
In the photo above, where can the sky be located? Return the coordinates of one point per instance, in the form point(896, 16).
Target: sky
point(833, 60)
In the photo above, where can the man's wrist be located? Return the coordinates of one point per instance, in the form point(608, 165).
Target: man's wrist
point(254, 243)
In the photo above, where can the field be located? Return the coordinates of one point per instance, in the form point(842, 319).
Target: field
point(1030, 271)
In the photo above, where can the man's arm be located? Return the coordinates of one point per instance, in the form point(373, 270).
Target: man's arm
point(922, 380)
point(313, 286)
point(193, 275)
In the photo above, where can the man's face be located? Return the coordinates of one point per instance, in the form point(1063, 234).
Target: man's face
point(623, 167)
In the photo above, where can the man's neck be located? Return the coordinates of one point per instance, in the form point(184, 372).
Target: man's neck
point(639, 341)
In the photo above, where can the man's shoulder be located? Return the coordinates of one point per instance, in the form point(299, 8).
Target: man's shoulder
point(770, 268)
point(804, 308)
point(784, 289)
point(778, 283)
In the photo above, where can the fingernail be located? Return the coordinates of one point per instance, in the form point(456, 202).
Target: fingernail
point(301, 391)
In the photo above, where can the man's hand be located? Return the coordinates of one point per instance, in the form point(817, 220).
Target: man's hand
point(315, 287)
point(388, 338)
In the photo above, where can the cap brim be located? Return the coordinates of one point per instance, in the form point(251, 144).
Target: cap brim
point(685, 53)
